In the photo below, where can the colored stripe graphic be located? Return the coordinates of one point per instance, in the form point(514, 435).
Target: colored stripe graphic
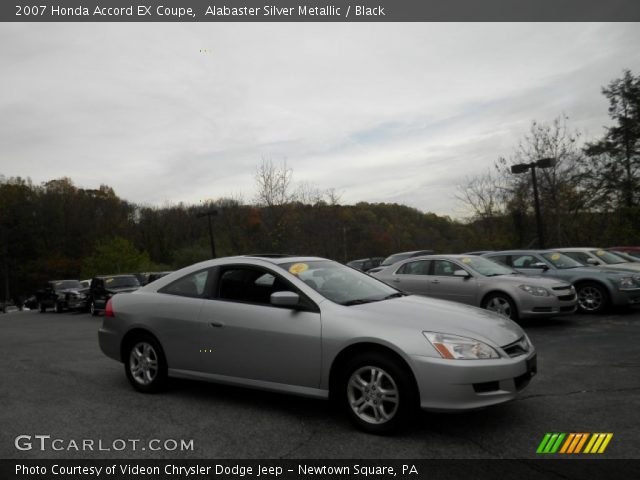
point(573, 443)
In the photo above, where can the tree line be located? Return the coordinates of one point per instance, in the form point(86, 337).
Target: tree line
point(58, 230)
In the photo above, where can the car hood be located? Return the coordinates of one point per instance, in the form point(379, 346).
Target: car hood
point(76, 291)
point(432, 315)
point(598, 271)
point(529, 280)
point(622, 267)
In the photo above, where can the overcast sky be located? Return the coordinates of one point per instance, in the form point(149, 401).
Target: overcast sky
point(381, 112)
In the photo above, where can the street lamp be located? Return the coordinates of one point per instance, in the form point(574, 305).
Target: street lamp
point(523, 167)
point(209, 214)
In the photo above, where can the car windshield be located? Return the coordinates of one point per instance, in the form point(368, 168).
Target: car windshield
point(121, 282)
point(486, 267)
point(608, 257)
point(65, 284)
point(561, 261)
point(390, 260)
point(339, 283)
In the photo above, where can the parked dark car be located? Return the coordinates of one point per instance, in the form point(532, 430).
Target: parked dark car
point(153, 276)
point(365, 264)
point(397, 257)
point(104, 287)
point(62, 295)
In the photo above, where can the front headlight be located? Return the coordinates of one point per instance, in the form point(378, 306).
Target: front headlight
point(533, 290)
point(626, 282)
point(460, 348)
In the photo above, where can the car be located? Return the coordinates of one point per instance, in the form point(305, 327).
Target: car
point(153, 276)
point(633, 251)
point(365, 264)
point(62, 295)
point(483, 283)
point(625, 256)
point(396, 257)
point(314, 327)
point(599, 258)
point(103, 287)
point(597, 287)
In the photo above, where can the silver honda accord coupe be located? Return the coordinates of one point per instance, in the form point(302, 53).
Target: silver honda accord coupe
point(313, 327)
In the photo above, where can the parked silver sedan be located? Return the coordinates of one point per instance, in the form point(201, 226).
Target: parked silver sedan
point(313, 327)
point(484, 283)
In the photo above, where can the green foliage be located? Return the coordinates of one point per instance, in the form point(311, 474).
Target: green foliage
point(114, 255)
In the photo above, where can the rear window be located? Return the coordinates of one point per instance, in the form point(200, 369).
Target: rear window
point(121, 282)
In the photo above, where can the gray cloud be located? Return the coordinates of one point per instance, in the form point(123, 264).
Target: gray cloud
point(381, 112)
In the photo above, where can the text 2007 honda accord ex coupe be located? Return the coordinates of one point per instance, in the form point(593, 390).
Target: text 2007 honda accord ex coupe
point(313, 327)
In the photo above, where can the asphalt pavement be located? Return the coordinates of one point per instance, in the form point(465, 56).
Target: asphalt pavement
point(55, 381)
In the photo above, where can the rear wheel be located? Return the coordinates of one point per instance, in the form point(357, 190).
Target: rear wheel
point(501, 304)
point(57, 308)
point(42, 308)
point(592, 297)
point(377, 392)
point(145, 365)
point(92, 308)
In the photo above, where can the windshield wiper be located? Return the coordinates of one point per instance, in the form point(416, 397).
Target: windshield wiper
point(395, 295)
point(360, 301)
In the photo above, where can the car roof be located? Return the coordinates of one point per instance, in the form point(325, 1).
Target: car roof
point(116, 275)
point(577, 249)
point(279, 259)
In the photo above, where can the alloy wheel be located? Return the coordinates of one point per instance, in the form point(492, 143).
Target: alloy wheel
point(143, 363)
point(590, 299)
point(373, 395)
point(499, 305)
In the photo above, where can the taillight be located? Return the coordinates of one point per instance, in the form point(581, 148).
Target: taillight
point(108, 310)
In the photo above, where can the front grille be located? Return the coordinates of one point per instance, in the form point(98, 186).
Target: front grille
point(486, 387)
point(517, 348)
point(542, 309)
point(567, 298)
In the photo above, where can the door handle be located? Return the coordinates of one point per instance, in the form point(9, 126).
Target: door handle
point(396, 280)
point(217, 324)
point(435, 281)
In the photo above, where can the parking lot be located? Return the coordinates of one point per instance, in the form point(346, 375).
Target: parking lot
point(56, 381)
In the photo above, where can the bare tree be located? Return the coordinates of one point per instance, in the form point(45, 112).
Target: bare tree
point(274, 184)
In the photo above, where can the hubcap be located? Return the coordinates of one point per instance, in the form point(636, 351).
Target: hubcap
point(589, 299)
point(499, 305)
point(373, 395)
point(143, 363)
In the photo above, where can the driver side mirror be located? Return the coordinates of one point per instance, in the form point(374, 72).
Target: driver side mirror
point(285, 299)
point(461, 273)
point(592, 261)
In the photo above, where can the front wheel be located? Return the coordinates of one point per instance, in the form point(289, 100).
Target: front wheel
point(377, 392)
point(592, 298)
point(501, 304)
point(145, 365)
point(92, 308)
point(57, 308)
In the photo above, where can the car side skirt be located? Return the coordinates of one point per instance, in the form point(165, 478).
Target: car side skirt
point(249, 383)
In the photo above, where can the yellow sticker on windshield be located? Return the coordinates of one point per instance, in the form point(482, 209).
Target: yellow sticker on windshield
point(555, 256)
point(108, 280)
point(466, 260)
point(600, 253)
point(298, 268)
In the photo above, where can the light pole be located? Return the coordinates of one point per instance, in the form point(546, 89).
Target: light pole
point(209, 214)
point(523, 167)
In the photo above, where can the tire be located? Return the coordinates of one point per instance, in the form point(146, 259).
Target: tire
point(42, 308)
point(145, 364)
point(501, 304)
point(57, 308)
point(370, 378)
point(92, 308)
point(592, 297)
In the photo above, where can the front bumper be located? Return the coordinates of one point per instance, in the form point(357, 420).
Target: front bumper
point(626, 296)
point(457, 385)
point(531, 306)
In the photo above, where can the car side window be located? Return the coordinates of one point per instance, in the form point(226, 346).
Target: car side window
point(192, 285)
point(420, 267)
point(444, 268)
point(252, 285)
point(524, 261)
point(503, 259)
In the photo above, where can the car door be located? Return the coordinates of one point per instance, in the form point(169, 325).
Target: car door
point(249, 338)
point(445, 285)
point(412, 277)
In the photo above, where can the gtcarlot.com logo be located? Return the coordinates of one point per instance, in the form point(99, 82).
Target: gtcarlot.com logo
point(574, 443)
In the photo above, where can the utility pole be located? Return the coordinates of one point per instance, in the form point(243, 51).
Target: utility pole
point(209, 214)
